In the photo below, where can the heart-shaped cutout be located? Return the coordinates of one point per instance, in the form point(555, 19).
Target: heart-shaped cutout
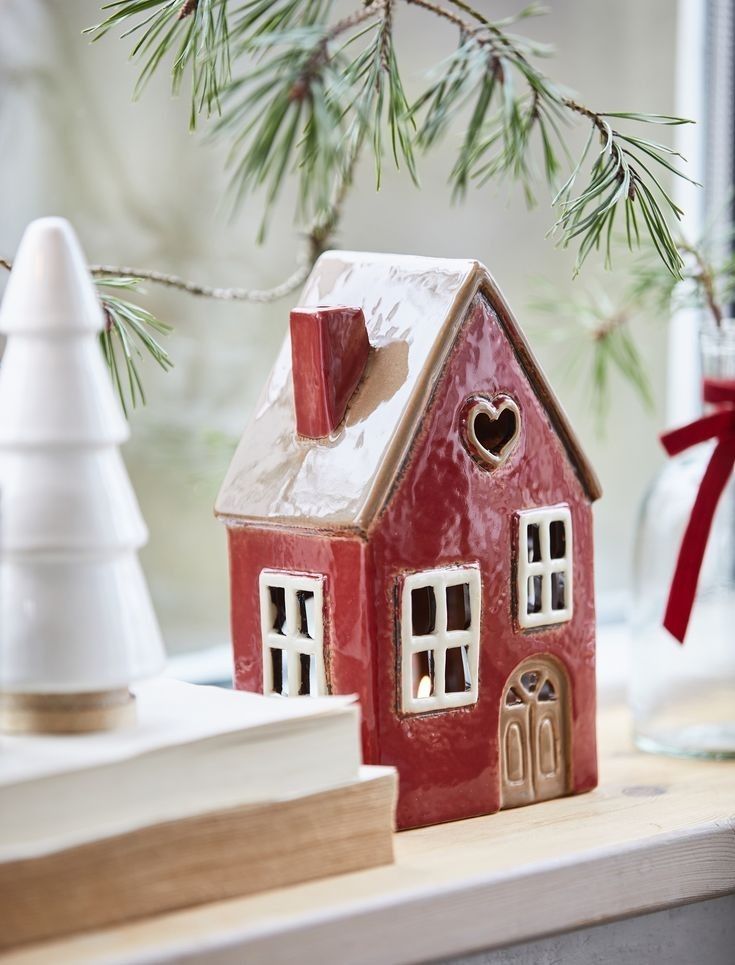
point(492, 427)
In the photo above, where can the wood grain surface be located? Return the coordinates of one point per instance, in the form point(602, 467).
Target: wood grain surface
point(656, 833)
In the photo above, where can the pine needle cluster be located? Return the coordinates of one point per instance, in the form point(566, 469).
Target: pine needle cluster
point(129, 336)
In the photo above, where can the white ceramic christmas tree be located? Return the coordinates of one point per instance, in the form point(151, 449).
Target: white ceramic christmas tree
point(76, 622)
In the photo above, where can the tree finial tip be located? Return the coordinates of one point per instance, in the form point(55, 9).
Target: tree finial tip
point(50, 289)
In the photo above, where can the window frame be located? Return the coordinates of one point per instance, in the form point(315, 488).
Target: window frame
point(441, 639)
point(544, 567)
point(292, 641)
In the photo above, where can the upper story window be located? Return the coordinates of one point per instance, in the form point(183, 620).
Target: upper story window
point(292, 632)
point(440, 639)
point(544, 566)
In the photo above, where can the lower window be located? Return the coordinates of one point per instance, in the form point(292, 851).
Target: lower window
point(292, 632)
point(440, 639)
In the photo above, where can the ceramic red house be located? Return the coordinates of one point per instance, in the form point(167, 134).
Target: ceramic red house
point(409, 519)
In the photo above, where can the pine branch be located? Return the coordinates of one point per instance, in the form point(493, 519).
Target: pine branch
point(306, 97)
point(311, 95)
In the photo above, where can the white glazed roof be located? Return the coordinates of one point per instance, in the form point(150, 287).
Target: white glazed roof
point(413, 308)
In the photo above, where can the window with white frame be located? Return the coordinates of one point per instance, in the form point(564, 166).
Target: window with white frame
point(544, 566)
point(292, 631)
point(440, 639)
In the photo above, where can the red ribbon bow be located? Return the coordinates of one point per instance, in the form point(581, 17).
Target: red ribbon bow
point(719, 425)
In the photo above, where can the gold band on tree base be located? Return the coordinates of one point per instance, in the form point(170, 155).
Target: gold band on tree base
point(66, 713)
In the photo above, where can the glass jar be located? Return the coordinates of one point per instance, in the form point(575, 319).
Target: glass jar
point(683, 695)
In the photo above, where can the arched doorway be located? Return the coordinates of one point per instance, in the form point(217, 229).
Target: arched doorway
point(534, 733)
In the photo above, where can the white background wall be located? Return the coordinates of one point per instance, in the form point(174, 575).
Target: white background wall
point(141, 190)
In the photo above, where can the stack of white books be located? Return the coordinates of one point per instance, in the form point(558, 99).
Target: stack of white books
point(212, 794)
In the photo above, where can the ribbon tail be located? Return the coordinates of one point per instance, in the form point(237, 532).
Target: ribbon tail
point(694, 543)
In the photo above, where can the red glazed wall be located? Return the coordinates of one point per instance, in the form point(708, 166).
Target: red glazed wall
point(348, 627)
point(446, 510)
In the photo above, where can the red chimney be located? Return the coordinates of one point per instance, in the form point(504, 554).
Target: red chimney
point(329, 349)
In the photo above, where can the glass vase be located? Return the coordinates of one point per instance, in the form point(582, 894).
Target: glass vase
point(683, 695)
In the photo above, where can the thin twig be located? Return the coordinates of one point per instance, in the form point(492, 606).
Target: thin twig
point(261, 296)
point(470, 10)
point(321, 234)
point(318, 239)
point(321, 51)
point(442, 12)
point(187, 9)
point(386, 35)
point(287, 286)
point(616, 320)
point(355, 19)
point(706, 278)
point(593, 116)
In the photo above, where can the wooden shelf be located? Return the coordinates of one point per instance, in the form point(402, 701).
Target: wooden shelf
point(656, 833)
